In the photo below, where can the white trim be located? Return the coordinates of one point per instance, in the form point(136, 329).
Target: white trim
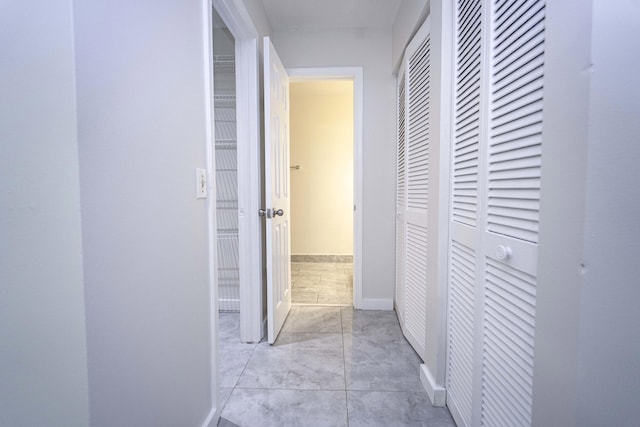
point(236, 18)
point(376, 304)
point(239, 23)
point(212, 418)
point(249, 185)
point(355, 74)
point(436, 393)
point(443, 25)
point(207, 53)
point(263, 326)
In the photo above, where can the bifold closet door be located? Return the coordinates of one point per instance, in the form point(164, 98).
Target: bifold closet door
point(496, 162)
point(401, 195)
point(413, 187)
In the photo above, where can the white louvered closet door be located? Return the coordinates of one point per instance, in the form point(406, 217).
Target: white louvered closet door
point(464, 239)
point(401, 194)
point(415, 184)
point(496, 163)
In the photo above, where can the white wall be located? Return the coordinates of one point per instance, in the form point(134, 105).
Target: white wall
point(609, 338)
point(440, 19)
point(321, 140)
point(370, 49)
point(560, 253)
point(587, 370)
point(255, 8)
point(43, 364)
point(142, 131)
point(411, 14)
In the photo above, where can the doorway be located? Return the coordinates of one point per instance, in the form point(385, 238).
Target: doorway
point(253, 319)
point(226, 166)
point(347, 273)
point(240, 162)
point(322, 191)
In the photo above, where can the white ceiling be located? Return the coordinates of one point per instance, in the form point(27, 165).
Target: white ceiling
point(330, 14)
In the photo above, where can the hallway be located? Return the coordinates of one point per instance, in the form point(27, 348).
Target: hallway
point(326, 283)
point(332, 366)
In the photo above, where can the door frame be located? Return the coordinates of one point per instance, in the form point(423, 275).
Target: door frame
point(249, 165)
point(354, 74)
point(212, 235)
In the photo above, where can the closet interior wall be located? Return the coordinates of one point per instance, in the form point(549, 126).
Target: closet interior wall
point(226, 170)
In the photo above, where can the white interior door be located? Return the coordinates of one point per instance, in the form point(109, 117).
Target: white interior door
point(278, 226)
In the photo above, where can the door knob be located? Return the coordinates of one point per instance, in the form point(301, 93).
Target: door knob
point(277, 212)
point(503, 253)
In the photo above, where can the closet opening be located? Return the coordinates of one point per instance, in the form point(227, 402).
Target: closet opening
point(226, 166)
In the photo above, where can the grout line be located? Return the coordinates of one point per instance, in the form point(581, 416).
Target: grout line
point(344, 366)
point(244, 368)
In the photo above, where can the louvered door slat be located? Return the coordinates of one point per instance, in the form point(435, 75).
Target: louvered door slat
point(508, 344)
point(416, 278)
point(516, 119)
point(527, 59)
point(466, 116)
point(522, 23)
point(460, 342)
point(401, 199)
point(418, 141)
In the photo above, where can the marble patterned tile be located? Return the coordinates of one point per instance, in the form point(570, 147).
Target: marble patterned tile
point(380, 323)
point(313, 319)
point(225, 392)
point(233, 360)
point(223, 422)
point(377, 408)
point(334, 277)
point(335, 297)
point(303, 296)
point(334, 287)
point(265, 408)
point(381, 363)
point(306, 282)
point(297, 361)
point(234, 354)
point(332, 283)
point(229, 326)
point(301, 379)
point(307, 278)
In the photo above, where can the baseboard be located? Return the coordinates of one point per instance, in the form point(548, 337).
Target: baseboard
point(322, 258)
point(436, 393)
point(212, 418)
point(375, 304)
point(264, 328)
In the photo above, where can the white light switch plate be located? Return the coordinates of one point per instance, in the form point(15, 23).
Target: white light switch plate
point(201, 183)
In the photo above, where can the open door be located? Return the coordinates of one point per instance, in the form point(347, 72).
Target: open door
point(278, 230)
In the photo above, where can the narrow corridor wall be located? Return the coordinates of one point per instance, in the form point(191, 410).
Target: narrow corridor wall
point(142, 126)
point(43, 351)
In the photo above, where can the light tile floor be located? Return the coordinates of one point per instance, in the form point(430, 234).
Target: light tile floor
point(327, 283)
point(330, 366)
